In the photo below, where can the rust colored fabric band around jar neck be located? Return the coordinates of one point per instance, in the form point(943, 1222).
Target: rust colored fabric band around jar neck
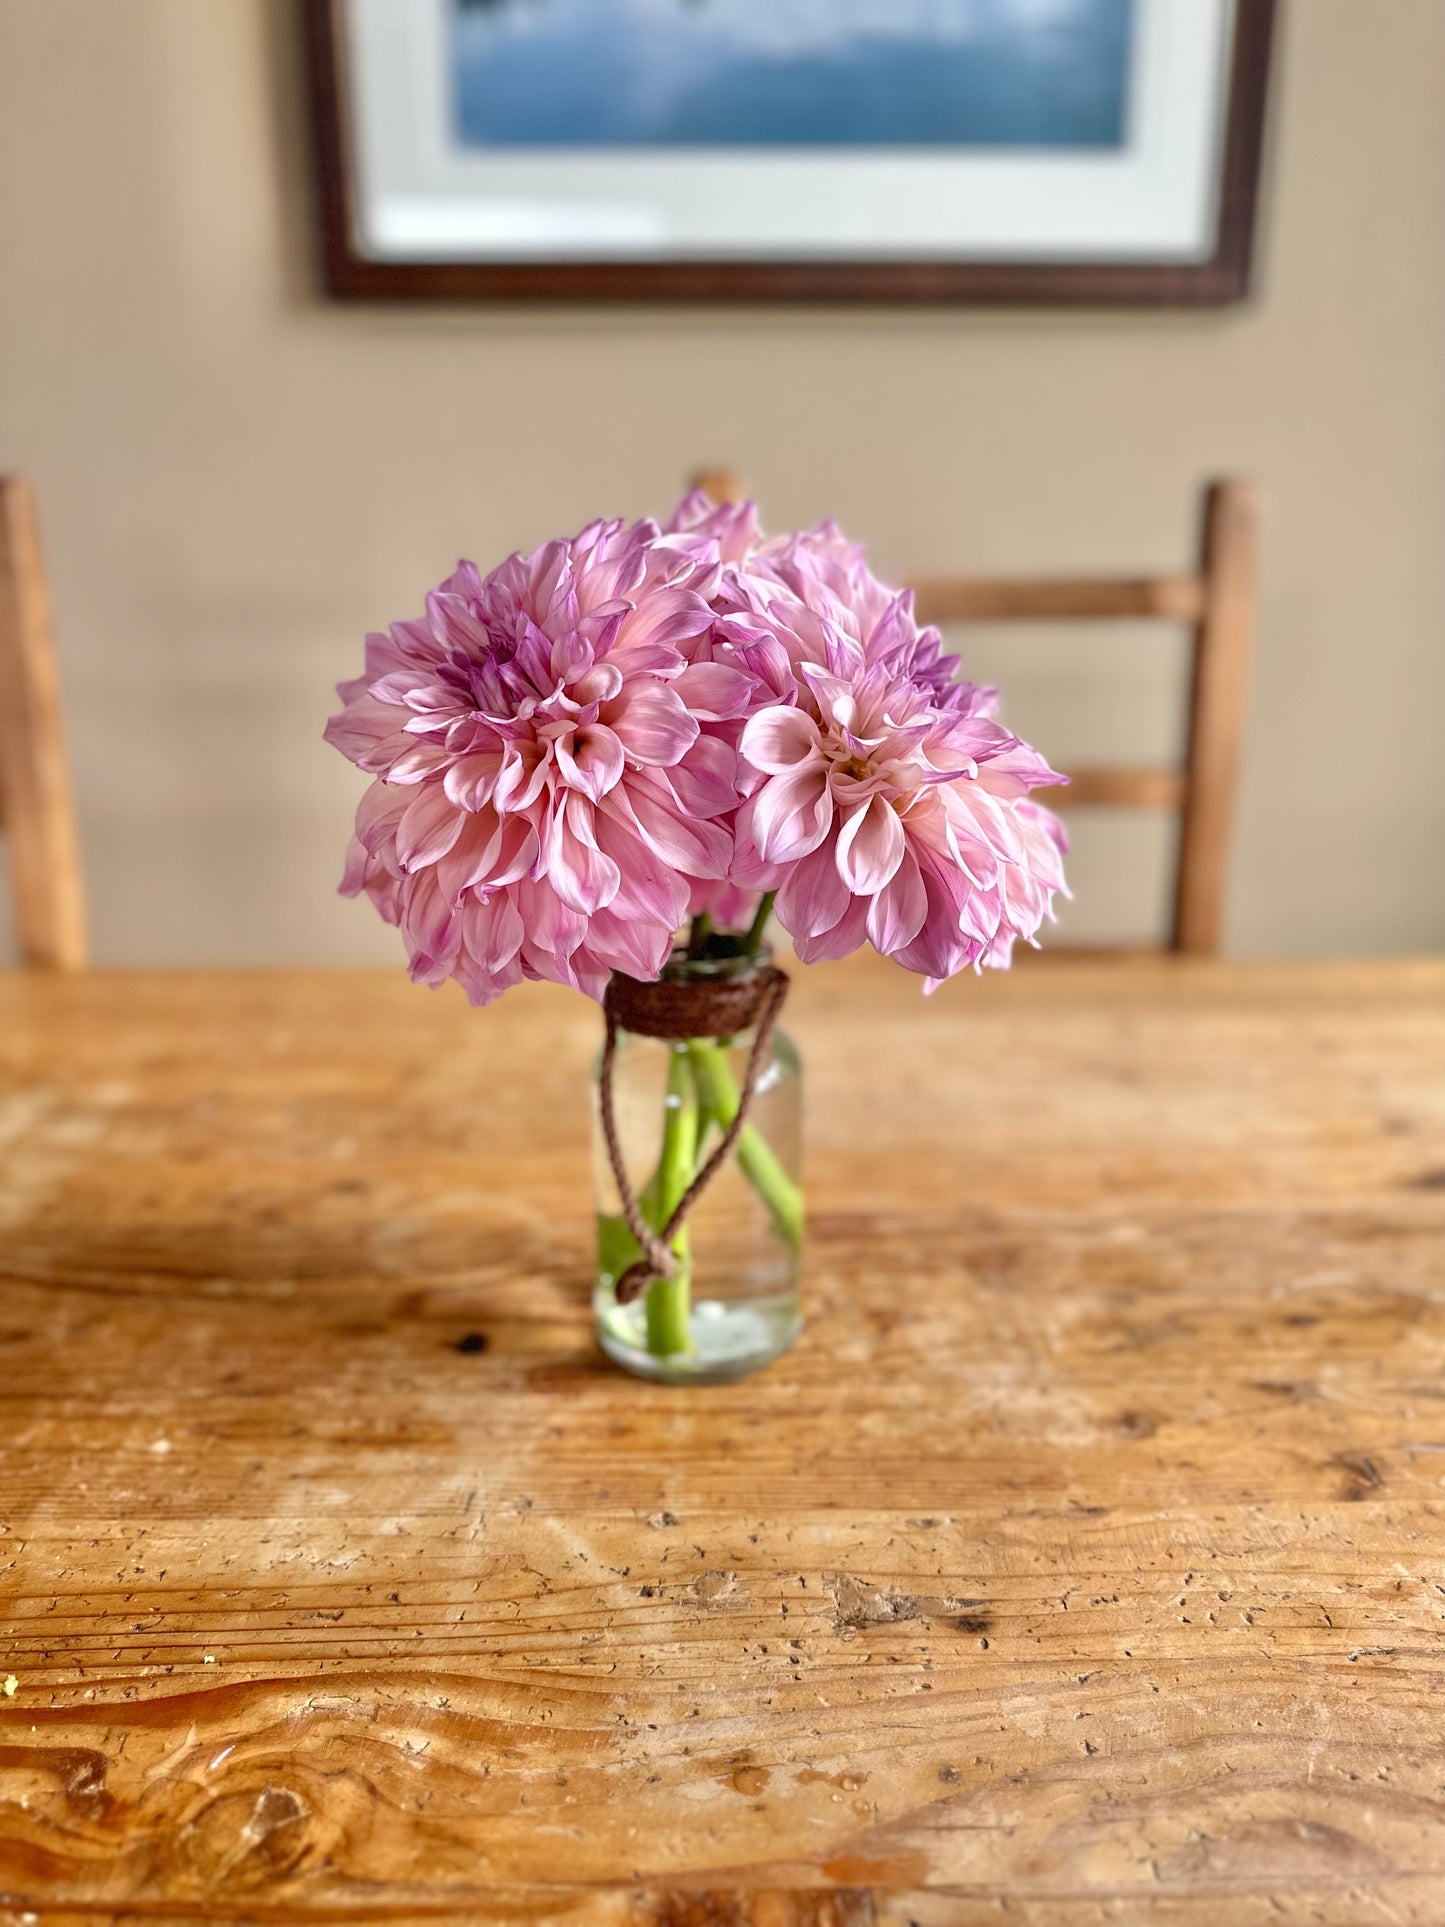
point(677, 1008)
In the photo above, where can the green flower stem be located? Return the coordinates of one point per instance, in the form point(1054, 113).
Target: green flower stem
point(753, 942)
point(699, 934)
point(720, 1098)
point(669, 1300)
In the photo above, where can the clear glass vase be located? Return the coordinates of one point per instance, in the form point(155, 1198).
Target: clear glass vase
point(732, 1304)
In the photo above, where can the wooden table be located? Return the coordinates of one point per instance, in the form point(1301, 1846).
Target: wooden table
point(1085, 1559)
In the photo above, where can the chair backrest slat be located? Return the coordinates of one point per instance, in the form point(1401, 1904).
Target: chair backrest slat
point(1163, 598)
point(36, 812)
point(1129, 789)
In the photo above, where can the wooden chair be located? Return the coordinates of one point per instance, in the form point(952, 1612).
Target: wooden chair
point(36, 812)
point(1216, 602)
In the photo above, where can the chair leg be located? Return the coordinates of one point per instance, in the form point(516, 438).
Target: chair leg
point(35, 801)
point(1216, 715)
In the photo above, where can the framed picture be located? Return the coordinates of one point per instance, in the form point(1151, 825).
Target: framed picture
point(838, 150)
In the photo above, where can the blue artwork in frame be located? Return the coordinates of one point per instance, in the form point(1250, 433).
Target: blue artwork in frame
point(790, 73)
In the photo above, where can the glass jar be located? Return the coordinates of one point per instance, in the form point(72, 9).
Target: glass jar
point(731, 1305)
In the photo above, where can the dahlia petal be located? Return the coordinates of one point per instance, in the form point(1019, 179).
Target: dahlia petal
point(353, 877)
point(429, 828)
point(399, 688)
point(895, 630)
point(747, 869)
point(767, 659)
point(870, 847)
point(652, 724)
point(492, 931)
point(940, 948)
point(980, 914)
point(380, 759)
point(553, 928)
point(522, 777)
point(364, 723)
point(571, 655)
point(984, 740)
point(696, 849)
point(412, 761)
point(896, 913)
point(664, 618)
point(791, 814)
point(779, 739)
point(405, 645)
point(531, 666)
point(470, 780)
point(848, 934)
point(623, 943)
point(548, 568)
point(430, 927)
point(378, 814)
point(515, 858)
point(584, 878)
point(653, 659)
point(481, 986)
point(649, 890)
point(589, 975)
point(1017, 771)
point(593, 762)
point(724, 902)
point(454, 620)
point(705, 780)
point(472, 855)
point(353, 688)
point(814, 896)
point(835, 694)
point(715, 692)
point(936, 828)
point(599, 683)
point(983, 830)
point(733, 525)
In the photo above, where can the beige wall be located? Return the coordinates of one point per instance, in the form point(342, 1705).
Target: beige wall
point(237, 479)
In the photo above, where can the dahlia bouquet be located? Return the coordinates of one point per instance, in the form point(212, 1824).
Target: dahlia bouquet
point(608, 764)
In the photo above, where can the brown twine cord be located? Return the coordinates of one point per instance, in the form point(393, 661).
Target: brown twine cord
point(674, 1011)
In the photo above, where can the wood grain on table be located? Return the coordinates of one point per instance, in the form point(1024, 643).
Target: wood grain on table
point(1085, 1560)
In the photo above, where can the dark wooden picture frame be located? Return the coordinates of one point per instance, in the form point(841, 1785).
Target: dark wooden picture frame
point(1224, 277)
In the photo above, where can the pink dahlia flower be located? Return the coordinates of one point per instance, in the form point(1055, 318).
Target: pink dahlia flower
point(881, 800)
point(544, 794)
point(826, 574)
